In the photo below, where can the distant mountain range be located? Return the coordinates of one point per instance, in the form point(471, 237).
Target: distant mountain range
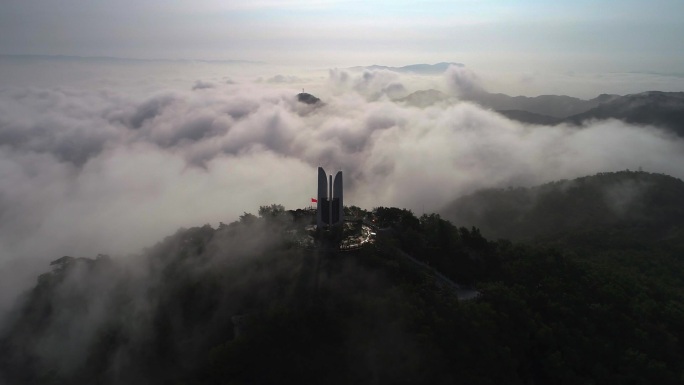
point(421, 69)
point(557, 106)
point(426, 98)
point(549, 106)
point(530, 117)
point(661, 109)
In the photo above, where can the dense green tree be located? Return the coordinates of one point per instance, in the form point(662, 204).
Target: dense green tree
point(241, 304)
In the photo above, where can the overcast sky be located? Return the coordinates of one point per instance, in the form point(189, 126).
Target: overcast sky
point(608, 35)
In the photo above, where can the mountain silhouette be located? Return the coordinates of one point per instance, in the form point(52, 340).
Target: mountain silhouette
point(656, 108)
point(557, 106)
point(420, 69)
point(630, 205)
point(425, 98)
point(530, 117)
point(307, 98)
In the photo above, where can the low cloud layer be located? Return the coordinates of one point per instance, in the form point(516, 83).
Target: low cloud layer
point(463, 81)
point(88, 171)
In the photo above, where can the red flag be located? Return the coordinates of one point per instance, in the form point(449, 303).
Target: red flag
point(314, 200)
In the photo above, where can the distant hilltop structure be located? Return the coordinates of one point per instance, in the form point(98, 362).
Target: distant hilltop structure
point(330, 205)
point(307, 98)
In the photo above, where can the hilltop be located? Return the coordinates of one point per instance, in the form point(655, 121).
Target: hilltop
point(247, 303)
point(626, 206)
point(307, 98)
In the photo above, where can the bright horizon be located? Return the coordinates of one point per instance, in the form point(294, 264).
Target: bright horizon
point(598, 36)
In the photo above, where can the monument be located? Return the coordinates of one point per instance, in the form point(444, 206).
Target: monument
point(329, 206)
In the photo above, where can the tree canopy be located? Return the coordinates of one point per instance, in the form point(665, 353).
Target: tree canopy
point(241, 304)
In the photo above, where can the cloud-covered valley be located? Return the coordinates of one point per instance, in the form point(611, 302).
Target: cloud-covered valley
point(113, 168)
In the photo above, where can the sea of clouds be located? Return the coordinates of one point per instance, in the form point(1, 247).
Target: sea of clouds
point(99, 157)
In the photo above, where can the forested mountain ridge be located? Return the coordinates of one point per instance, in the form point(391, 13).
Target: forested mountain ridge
point(245, 304)
point(656, 108)
point(557, 106)
point(635, 205)
point(241, 303)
